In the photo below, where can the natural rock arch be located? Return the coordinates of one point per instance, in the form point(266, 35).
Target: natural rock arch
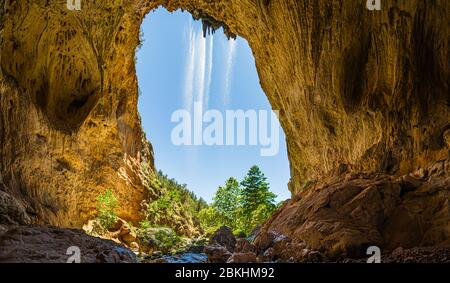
point(357, 90)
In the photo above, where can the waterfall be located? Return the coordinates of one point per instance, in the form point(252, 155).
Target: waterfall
point(230, 54)
point(210, 68)
point(199, 66)
point(190, 67)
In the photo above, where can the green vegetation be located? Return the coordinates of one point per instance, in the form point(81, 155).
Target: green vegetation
point(173, 213)
point(257, 201)
point(172, 201)
point(240, 206)
point(226, 202)
point(107, 203)
point(162, 239)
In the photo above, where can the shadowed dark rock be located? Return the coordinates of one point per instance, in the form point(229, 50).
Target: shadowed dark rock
point(41, 244)
point(224, 237)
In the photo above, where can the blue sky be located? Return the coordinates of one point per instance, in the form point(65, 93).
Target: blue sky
point(177, 66)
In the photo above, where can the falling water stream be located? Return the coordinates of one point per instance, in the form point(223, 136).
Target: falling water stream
point(199, 68)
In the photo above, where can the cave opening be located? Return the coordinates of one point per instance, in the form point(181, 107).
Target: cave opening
point(197, 74)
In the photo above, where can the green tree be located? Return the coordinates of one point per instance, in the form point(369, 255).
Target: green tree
point(210, 219)
point(257, 202)
point(226, 202)
point(107, 204)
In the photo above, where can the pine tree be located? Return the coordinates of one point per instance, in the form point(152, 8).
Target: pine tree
point(257, 202)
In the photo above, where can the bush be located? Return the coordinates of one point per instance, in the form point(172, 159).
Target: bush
point(107, 203)
point(210, 220)
point(166, 239)
point(145, 224)
point(162, 238)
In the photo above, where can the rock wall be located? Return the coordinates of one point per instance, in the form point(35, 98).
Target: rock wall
point(342, 216)
point(68, 120)
point(357, 90)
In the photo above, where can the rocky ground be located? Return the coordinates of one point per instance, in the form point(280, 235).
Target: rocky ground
point(37, 244)
point(343, 216)
point(335, 220)
point(413, 255)
point(221, 250)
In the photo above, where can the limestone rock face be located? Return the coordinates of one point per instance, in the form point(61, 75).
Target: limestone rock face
point(348, 214)
point(357, 90)
point(68, 97)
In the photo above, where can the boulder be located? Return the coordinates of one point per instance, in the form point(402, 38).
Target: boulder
point(127, 235)
point(42, 244)
point(254, 233)
point(342, 216)
point(195, 249)
point(217, 253)
point(224, 237)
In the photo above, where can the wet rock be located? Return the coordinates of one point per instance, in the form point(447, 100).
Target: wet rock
point(195, 249)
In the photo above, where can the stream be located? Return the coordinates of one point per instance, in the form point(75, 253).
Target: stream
point(188, 257)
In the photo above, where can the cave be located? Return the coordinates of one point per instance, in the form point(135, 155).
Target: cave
point(193, 80)
point(363, 98)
